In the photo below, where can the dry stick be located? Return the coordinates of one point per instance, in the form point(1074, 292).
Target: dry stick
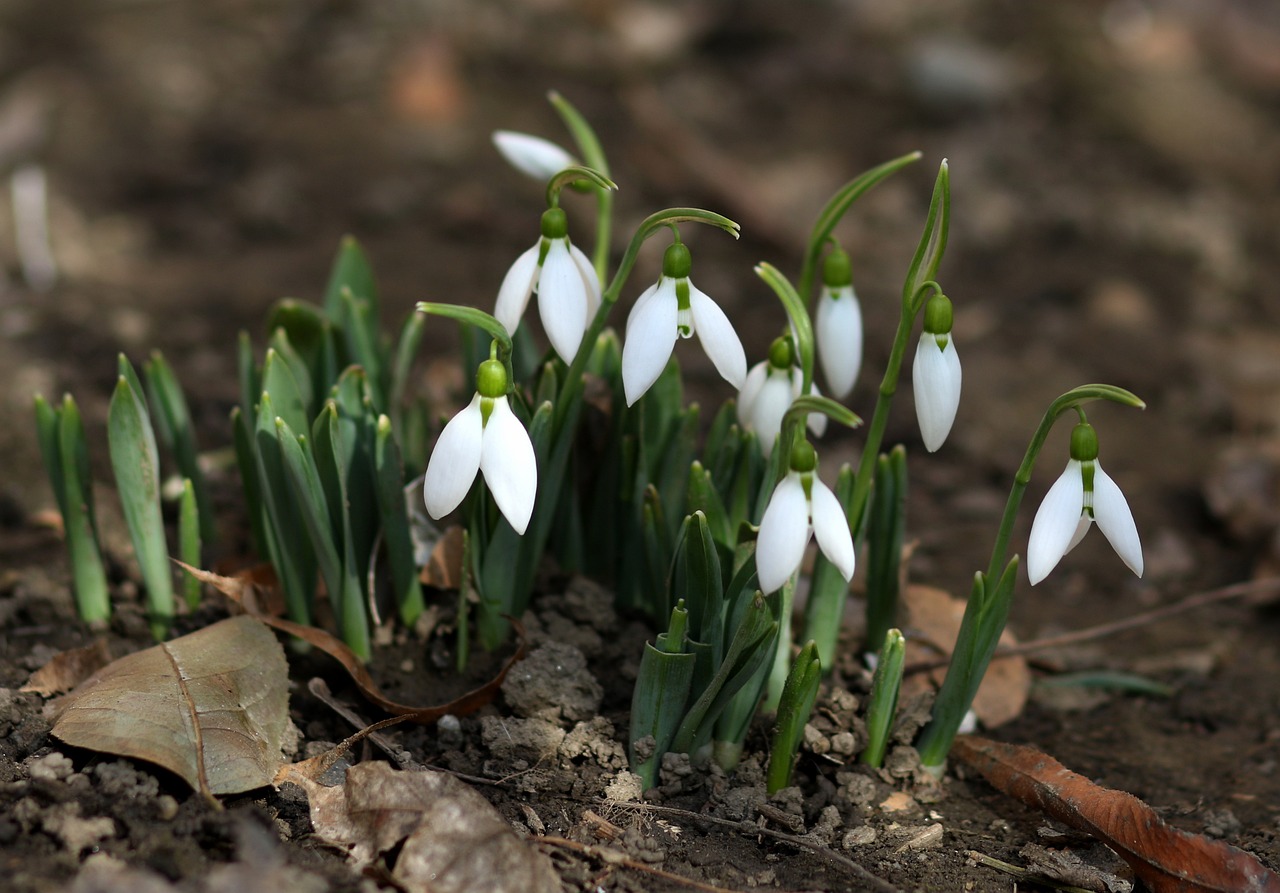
point(1022, 874)
point(869, 880)
point(1199, 600)
point(614, 857)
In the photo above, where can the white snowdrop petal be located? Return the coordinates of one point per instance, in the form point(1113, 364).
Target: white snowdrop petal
point(509, 465)
point(589, 279)
point(454, 461)
point(718, 338)
point(562, 301)
point(838, 333)
point(517, 285)
point(1086, 521)
point(772, 404)
point(645, 297)
point(651, 336)
point(784, 532)
point(532, 155)
point(749, 393)
point(1111, 512)
point(831, 529)
point(936, 383)
point(1055, 523)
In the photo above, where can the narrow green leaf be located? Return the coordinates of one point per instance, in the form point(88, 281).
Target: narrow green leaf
point(401, 370)
point(883, 704)
point(395, 525)
point(250, 480)
point(886, 532)
point(288, 544)
point(657, 704)
point(176, 431)
point(351, 270)
point(798, 696)
point(189, 542)
point(364, 345)
point(136, 465)
point(250, 378)
point(280, 381)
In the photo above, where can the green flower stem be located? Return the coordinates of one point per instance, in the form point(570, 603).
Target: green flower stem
point(835, 210)
point(987, 610)
point(593, 154)
point(573, 175)
point(797, 315)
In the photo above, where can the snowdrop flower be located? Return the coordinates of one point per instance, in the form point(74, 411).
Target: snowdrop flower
point(532, 155)
point(1084, 493)
point(935, 374)
point(567, 286)
point(674, 308)
point(485, 437)
point(768, 392)
point(838, 327)
point(801, 506)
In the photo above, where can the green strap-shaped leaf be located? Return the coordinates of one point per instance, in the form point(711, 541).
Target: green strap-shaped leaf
point(136, 465)
point(395, 524)
point(886, 531)
point(176, 431)
point(883, 704)
point(798, 696)
point(189, 545)
point(351, 270)
point(288, 544)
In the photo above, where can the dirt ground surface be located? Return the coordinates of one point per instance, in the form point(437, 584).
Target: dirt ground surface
point(1115, 168)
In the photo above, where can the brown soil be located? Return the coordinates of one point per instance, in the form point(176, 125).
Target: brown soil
point(1112, 169)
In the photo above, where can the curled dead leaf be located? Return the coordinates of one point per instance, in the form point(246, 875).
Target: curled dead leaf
point(212, 707)
point(242, 592)
point(1166, 859)
point(67, 669)
point(450, 839)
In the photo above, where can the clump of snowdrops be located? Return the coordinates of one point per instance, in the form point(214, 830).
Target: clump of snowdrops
point(702, 524)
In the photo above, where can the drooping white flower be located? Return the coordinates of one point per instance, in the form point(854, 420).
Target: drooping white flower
point(935, 374)
point(838, 326)
point(565, 281)
point(1082, 494)
point(801, 506)
point(770, 388)
point(674, 308)
point(486, 437)
point(532, 155)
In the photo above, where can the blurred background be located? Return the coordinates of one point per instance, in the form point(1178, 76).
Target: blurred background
point(169, 169)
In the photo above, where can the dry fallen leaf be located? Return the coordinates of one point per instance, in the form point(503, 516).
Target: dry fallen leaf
point(67, 669)
point(1166, 859)
point(454, 841)
point(244, 593)
point(934, 617)
point(211, 707)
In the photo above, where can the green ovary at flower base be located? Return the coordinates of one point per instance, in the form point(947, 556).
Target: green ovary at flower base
point(486, 438)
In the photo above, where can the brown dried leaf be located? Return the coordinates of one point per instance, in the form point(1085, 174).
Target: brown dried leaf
point(444, 569)
point(243, 593)
point(211, 707)
point(67, 669)
point(454, 840)
point(1166, 859)
point(936, 616)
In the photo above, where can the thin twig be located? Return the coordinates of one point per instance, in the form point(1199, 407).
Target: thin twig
point(615, 857)
point(869, 880)
point(1199, 600)
point(1022, 874)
